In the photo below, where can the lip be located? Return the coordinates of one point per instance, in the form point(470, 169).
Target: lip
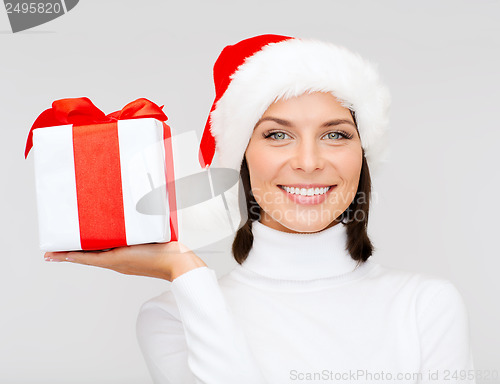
point(306, 185)
point(307, 200)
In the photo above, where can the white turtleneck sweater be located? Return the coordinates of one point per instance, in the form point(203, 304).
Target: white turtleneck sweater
point(299, 311)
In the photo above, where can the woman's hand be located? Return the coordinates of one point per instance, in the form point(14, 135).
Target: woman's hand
point(164, 261)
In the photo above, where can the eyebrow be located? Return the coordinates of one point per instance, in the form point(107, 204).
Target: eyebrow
point(287, 123)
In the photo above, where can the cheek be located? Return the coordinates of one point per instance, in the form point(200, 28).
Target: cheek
point(262, 166)
point(349, 166)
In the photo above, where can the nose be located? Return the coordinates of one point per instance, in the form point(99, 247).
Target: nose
point(308, 156)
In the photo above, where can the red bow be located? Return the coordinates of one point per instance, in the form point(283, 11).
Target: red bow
point(81, 111)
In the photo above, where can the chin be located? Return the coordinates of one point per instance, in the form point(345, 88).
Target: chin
point(305, 226)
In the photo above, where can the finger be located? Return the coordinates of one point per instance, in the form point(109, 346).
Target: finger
point(79, 257)
point(55, 256)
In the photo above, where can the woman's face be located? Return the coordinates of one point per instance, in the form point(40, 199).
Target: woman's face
point(304, 159)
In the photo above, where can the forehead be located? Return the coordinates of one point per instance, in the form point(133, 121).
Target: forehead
point(314, 104)
point(307, 110)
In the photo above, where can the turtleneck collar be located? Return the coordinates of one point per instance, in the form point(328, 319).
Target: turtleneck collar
point(299, 256)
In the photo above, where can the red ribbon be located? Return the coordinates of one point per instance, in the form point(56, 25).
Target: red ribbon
point(97, 165)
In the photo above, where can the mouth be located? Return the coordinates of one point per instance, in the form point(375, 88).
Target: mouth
point(301, 190)
point(307, 194)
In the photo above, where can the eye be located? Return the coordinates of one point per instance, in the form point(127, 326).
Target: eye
point(277, 135)
point(338, 135)
point(280, 135)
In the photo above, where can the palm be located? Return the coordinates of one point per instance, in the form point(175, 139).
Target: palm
point(164, 260)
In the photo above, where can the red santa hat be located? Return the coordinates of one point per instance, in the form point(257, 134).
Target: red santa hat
point(250, 75)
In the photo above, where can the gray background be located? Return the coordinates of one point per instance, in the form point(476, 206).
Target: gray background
point(435, 207)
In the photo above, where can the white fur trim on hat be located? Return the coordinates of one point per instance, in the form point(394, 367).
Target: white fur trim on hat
point(291, 68)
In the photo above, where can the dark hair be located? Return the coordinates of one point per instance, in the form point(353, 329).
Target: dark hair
point(355, 217)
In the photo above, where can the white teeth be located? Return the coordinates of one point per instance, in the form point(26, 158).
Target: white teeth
point(306, 192)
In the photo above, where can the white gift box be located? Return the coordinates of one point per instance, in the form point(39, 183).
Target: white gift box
point(58, 214)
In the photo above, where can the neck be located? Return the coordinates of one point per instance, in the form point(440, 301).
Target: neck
point(299, 256)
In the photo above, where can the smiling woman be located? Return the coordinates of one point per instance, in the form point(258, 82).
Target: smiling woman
point(333, 150)
point(304, 123)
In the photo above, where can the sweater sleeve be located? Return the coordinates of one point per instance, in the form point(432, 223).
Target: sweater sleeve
point(194, 339)
point(444, 334)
